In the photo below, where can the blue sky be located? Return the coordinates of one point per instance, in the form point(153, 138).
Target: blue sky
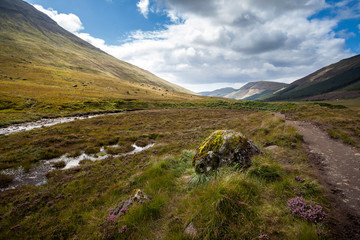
point(208, 44)
point(109, 20)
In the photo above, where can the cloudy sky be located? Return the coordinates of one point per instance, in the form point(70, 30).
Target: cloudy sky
point(209, 44)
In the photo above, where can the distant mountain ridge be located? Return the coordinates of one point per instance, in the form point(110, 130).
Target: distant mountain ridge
point(222, 92)
point(340, 80)
point(250, 91)
point(256, 90)
point(336, 81)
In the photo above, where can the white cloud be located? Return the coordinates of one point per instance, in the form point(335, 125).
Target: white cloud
point(70, 21)
point(344, 33)
point(228, 43)
point(143, 6)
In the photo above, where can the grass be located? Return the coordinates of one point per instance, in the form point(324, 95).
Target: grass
point(76, 203)
point(340, 122)
point(350, 103)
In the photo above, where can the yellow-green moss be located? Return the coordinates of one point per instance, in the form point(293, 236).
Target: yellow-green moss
point(236, 140)
point(212, 143)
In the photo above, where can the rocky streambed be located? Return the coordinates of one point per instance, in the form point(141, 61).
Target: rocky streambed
point(45, 122)
point(37, 174)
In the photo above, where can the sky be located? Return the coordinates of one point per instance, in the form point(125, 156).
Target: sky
point(204, 45)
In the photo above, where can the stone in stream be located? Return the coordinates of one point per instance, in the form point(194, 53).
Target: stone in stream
point(224, 148)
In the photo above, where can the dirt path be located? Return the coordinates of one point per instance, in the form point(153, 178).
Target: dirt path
point(338, 168)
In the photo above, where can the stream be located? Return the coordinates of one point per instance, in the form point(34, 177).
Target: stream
point(45, 122)
point(37, 175)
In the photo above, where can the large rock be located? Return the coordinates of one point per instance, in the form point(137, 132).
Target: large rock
point(224, 148)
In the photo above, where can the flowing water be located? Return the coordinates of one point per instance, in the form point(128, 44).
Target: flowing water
point(37, 175)
point(45, 122)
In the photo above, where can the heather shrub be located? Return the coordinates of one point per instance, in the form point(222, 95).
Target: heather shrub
point(109, 227)
point(308, 211)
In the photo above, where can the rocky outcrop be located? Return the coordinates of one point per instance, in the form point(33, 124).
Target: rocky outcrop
point(224, 148)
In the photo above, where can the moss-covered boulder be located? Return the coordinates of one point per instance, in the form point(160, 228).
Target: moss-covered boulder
point(224, 148)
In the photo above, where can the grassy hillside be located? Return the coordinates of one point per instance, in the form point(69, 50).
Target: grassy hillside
point(44, 68)
point(337, 81)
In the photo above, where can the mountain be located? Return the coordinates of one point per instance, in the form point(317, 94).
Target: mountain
point(336, 81)
point(218, 92)
point(256, 90)
point(42, 63)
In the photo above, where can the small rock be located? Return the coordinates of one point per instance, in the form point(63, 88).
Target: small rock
point(272, 148)
point(59, 165)
point(75, 85)
point(136, 196)
point(191, 230)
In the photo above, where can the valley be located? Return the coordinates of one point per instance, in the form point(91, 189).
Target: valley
point(93, 147)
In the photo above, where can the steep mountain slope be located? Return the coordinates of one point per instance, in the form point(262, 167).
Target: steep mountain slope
point(218, 92)
point(256, 90)
point(339, 80)
point(42, 63)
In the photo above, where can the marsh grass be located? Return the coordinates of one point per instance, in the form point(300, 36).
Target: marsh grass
point(236, 204)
